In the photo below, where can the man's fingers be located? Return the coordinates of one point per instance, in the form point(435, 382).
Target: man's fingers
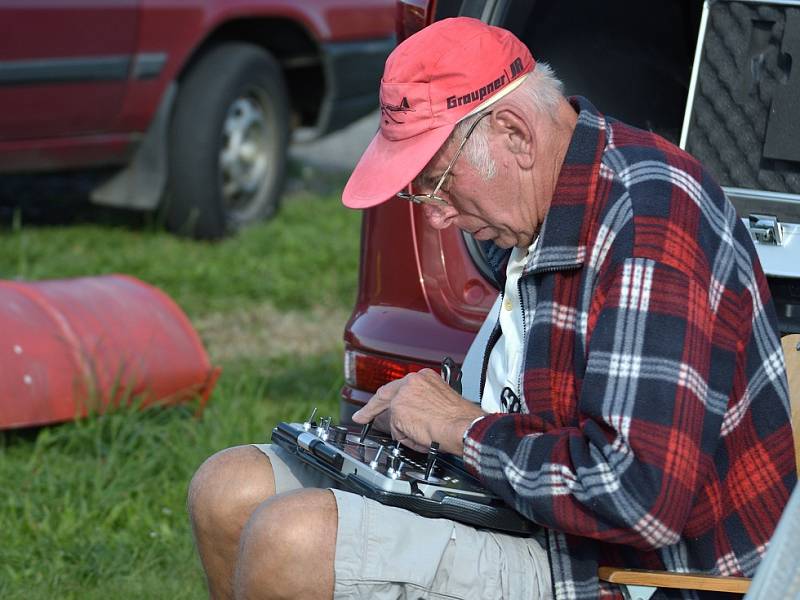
point(363, 415)
point(379, 402)
point(409, 443)
point(376, 405)
point(381, 422)
point(401, 437)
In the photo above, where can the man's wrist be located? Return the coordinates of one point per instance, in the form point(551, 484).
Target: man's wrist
point(470, 426)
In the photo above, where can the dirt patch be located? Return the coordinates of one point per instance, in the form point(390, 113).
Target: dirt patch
point(264, 332)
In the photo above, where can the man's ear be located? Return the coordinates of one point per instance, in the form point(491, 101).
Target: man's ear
point(518, 135)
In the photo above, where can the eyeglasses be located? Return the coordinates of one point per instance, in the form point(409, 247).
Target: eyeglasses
point(432, 198)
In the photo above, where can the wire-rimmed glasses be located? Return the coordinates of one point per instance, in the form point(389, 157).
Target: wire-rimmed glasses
point(432, 198)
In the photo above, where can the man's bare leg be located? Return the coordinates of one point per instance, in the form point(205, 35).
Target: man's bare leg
point(288, 547)
point(223, 494)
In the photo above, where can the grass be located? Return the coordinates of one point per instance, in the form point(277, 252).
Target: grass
point(311, 241)
point(96, 508)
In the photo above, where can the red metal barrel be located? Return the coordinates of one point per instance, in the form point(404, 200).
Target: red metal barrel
point(73, 345)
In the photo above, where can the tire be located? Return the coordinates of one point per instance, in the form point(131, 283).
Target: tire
point(228, 142)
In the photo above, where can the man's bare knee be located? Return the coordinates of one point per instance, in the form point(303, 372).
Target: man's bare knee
point(227, 487)
point(223, 493)
point(288, 547)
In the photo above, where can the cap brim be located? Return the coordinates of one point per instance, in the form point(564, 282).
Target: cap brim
point(387, 166)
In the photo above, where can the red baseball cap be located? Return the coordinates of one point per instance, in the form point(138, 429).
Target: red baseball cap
point(432, 80)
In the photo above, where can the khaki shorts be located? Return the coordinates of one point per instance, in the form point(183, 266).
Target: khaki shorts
point(384, 552)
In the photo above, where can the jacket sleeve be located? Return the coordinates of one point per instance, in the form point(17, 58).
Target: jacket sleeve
point(649, 411)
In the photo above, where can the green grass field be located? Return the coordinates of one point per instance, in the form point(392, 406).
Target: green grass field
point(96, 508)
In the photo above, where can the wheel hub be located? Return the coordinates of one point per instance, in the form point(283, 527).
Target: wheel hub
point(243, 158)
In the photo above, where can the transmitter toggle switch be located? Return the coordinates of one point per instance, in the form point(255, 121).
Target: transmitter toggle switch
point(394, 462)
point(433, 453)
point(324, 428)
point(374, 462)
point(308, 424)
point(364, 432)
point(395, 466)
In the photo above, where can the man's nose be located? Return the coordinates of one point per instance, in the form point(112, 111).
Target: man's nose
point(439, 217)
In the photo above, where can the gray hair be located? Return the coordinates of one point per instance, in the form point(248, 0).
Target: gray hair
point(541, 91)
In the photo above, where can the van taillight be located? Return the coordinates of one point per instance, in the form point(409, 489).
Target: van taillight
point(413, 15)
point(368, 372)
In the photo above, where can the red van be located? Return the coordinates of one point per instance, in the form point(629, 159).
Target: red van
point(194, 100)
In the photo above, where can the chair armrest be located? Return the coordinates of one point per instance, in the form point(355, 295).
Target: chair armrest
point(666, 579)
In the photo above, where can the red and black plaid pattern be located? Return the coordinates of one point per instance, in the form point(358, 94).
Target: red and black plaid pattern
point(655, 430)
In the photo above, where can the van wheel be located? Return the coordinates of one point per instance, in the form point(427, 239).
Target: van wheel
point(228, 142)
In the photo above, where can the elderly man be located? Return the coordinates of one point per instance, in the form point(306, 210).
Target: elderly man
point(651, 422)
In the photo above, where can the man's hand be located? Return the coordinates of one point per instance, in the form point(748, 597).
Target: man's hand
point(419, 409)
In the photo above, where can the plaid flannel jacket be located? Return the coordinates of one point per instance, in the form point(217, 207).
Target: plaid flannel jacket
point(655, 429)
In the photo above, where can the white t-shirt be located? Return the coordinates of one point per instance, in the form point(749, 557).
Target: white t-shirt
point(505, 362)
